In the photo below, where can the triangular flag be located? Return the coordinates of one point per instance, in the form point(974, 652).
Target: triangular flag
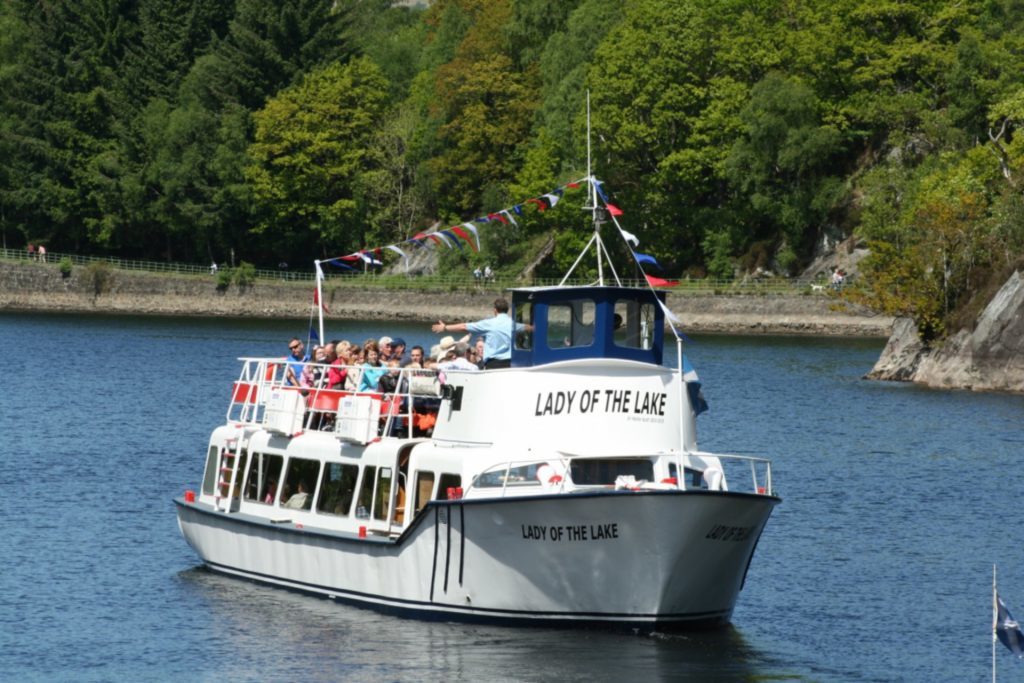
point(552, 198)
point(337, 262)
point(647, 258)
point(448, 236)
point(660, 282)
point(541, 206)
point(458, 230)
point(509, 216)
point(316, 301)
point(630, 237)
point(397, 251)
point(613, 210)
point(476, 236)
point(599, 187)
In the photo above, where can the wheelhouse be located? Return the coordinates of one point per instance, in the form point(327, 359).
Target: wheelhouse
point(588, 322)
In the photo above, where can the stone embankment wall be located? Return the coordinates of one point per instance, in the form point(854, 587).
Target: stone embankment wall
point(39, 287)
point(988, 358)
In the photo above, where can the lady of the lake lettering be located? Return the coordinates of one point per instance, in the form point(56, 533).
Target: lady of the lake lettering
point(607, 400)
point(570, 532)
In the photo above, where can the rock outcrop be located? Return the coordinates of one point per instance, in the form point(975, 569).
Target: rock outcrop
point(988, 358)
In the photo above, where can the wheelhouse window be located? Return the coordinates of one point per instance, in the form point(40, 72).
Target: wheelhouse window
point(633, 324)
point(604, 471)
point(524, 315)
point(571, 324)
point(337, 489)
point(262, 477)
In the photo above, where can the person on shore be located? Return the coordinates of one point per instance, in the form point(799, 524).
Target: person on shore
point(31, 251)
point(213, 268)
point(297, 360)
point(497, 332)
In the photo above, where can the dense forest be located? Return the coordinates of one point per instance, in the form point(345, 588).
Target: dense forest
point(734, 134)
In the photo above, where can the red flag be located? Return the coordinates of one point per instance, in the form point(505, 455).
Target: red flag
point(316, 301)
point(541, 206)
point(497, 217)
point(613, 210)
point(458, 230)
point(572, 185)
point(659, 282)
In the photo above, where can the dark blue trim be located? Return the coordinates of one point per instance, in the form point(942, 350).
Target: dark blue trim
point(602, 344)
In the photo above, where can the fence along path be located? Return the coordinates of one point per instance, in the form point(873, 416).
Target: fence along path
point(751, 285)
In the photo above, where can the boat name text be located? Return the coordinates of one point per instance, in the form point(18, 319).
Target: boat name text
point(605, 400)
point(570, 532)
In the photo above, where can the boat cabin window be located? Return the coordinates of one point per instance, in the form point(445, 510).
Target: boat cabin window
point(524, 315)
point(210, 476)
point(604, 471)
point(424, 487)
point(264, 473)
point(523, 475)
point(571, 324)
point(633, 324)
point(382, 498)
point(448, 481)
point(694, 478)
point(366, 492)
point(297, 493)
point(337, 489)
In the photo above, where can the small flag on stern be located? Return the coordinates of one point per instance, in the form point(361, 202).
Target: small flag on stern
point(1008, 630)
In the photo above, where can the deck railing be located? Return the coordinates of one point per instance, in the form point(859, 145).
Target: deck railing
point(264, 394)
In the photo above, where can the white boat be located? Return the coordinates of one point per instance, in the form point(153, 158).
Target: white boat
point(567, 488)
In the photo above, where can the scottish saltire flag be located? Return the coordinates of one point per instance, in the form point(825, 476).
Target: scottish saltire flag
point(693, 385)
point(1008, 630)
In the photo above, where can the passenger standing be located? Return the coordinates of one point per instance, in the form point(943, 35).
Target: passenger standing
point(497, 332)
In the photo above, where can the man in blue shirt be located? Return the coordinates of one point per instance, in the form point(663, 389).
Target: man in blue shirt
point(296, 361)
point(497, 332)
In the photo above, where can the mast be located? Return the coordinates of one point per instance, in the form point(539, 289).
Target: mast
point(593, 202)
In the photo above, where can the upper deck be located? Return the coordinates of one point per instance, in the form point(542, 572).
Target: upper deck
point(588, 322)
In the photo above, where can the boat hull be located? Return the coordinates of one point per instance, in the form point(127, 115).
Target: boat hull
point(648, 559)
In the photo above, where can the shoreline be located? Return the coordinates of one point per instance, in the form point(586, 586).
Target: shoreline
point(40, 288)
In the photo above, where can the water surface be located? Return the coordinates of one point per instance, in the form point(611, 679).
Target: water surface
point(875, 567)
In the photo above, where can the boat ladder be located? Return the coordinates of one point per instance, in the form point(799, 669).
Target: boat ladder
point(228, 475)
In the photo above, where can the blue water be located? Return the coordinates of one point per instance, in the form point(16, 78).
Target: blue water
point(877, 566)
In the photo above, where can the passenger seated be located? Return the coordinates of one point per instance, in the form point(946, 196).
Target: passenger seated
point(300, 501)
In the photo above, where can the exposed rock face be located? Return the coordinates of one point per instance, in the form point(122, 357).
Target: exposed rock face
point(991, 358)
point(901, 355)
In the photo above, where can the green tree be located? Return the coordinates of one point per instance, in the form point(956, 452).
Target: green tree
point(311, 155)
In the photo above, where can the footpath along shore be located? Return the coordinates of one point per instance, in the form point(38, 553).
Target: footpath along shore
point(30, 287)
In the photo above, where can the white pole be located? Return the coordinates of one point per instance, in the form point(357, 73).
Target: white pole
point(995, 616)
point(320, 297)
point(593, 198)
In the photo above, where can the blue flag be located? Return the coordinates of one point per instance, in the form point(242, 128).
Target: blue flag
point(693, 385)
point(646, 258)
point(1008, 630)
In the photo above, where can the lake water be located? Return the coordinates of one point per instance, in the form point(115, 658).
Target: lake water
point(876, 566)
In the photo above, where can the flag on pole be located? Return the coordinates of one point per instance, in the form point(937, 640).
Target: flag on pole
point(646, 258)
point(660, 282)
point(1008, 630)
point(613, 210)
point(316, 301)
